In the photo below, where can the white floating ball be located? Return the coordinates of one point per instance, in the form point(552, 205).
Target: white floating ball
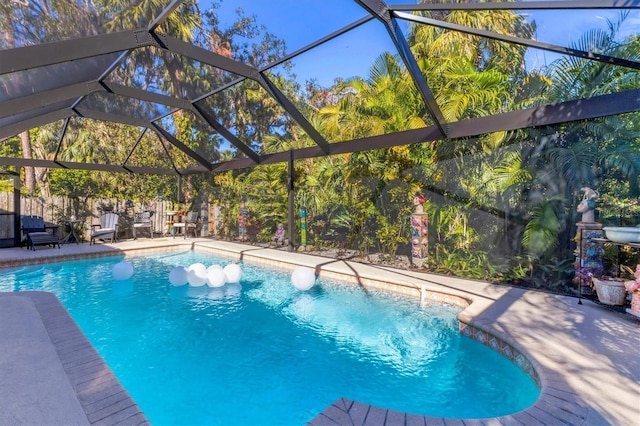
point(197, 275)
point(303, 278)
point(233, 273)
point(196, 266)
point(214, 268)
point(122, 271)
point(178, 276)
point(216, 276)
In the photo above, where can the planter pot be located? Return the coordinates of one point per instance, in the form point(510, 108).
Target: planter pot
point(610, 292)
point(622, 234)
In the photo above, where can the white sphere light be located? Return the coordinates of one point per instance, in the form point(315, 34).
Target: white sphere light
point(303, 278)
point(216, 276)
point(214, 268)
point(233, 273)
point(178, 276)
point(122, 271)
point(196, 266)
point(197, 275)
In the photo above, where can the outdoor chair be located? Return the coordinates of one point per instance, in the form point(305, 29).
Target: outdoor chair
point(142, 220)
point(190, 222)
point(108, 228)
point(36, 233)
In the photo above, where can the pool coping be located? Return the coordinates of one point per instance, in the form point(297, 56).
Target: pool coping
point(57, 376)
point(588, 373)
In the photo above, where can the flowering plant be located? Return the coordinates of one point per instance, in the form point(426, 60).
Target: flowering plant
point(588, 270)
point(633, 285)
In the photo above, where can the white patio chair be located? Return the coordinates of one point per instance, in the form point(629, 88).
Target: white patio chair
point(190, 222)
point(108, 228)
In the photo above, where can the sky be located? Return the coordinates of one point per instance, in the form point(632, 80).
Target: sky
point(300, 22)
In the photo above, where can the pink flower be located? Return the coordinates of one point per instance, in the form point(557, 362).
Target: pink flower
point(631, 286)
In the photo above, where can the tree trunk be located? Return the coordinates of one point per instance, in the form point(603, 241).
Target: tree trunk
point(27, 152)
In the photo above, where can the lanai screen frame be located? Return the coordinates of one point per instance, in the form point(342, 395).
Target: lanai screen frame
point(62, 104)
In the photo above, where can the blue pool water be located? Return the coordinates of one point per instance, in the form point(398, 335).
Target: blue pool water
point(260, 352)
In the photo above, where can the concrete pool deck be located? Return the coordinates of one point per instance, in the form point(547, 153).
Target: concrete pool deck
point(586, 356)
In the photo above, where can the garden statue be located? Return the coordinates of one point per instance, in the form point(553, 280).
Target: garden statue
point(588, 204)
point(419, 232)
point(278, 238)
point(418, 201)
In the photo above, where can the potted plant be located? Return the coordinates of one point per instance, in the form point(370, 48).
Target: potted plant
point(610, 290)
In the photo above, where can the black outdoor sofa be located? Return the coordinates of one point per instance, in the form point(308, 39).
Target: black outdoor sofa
point(37, 233)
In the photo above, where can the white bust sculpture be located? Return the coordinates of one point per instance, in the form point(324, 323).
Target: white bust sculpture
point(588, 204)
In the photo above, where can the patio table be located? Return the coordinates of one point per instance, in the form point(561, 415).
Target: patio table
point(71, 236)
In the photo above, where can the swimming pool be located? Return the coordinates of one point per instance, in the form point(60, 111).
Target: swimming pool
point(261, 352)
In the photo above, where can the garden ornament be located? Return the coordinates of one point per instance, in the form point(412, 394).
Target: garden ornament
point(588, 204)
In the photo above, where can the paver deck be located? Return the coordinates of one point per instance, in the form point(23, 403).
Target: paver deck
point(586, 356)
point(50, 373)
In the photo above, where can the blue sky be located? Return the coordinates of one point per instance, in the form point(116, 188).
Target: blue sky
point(300, 22)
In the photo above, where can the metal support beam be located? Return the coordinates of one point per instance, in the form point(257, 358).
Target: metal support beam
point(583, 109)
point(179, 191)
point(521, 41)
point(165, 14)
point(166, 151)
point(49, 97)
point(135, 145)
point(18, 127)
point(292, 55)
point(62, 133)
point(529, 5)
point(291, 225)
point(202, 55)
point(111, 168)
point(218, 127)
point(207, 57)
point(17, 208)
point(113, 118)
point(182, 147)
point(380, 10)
point(288, 106)
point(145, 95)
point(40, 55)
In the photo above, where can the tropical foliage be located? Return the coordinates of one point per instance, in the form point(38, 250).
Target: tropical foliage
point(501, 206)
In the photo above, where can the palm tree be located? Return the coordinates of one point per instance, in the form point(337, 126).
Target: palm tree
point(542, 175)
point(430, 43)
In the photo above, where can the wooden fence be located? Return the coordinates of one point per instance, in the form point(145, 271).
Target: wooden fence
point(58, 209)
